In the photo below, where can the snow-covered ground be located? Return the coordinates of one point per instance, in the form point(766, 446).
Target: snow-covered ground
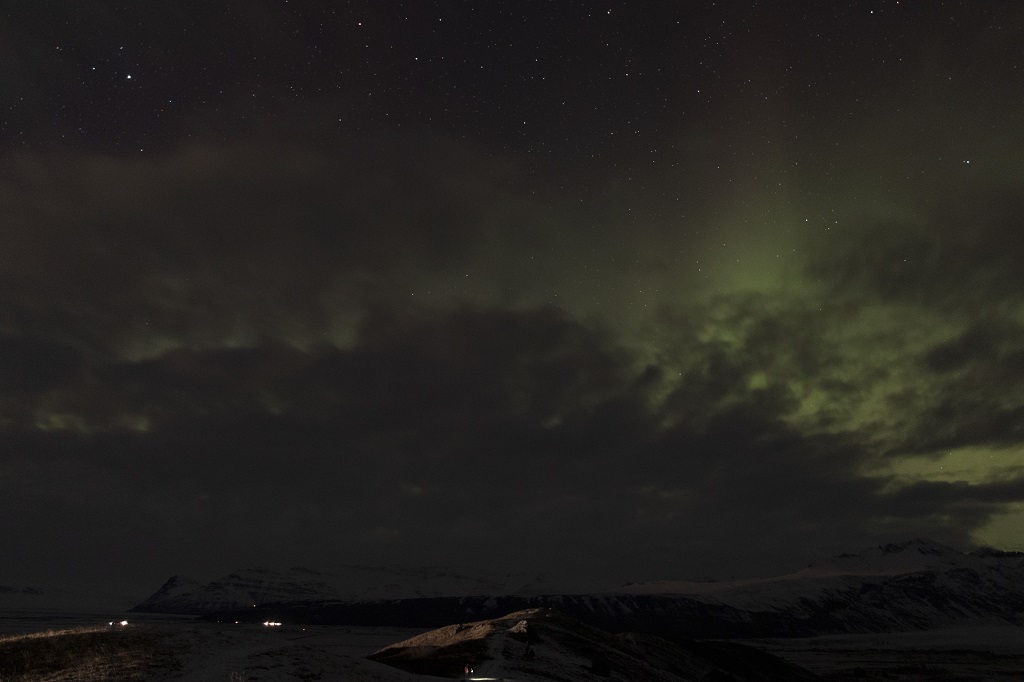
point(229, 652)
point(212, 651)
point(225, 651)
point(970, 653)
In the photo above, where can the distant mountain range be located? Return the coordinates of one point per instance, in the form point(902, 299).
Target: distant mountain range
point(63, 598)
point(19, 597)
point(256, 586)
point(918, 584)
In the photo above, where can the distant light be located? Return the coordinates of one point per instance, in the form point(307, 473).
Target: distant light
point(271, 624)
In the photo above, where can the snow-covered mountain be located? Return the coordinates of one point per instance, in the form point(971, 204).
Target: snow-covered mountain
point(255, 586)
point(912, 585)
point(542, 645)
point(885, 560)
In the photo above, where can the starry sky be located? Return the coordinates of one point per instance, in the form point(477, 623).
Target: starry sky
point(613, 290)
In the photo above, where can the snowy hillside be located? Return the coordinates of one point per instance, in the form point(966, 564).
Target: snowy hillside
point(884, 560)
point(256, 586)
point(544, 645)
point(908, 586)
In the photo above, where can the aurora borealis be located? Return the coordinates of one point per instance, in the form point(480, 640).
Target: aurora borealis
point(617, 290)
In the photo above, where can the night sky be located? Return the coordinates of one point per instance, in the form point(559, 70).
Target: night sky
point(616, 290)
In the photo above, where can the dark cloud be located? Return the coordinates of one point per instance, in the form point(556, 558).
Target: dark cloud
point(462, 436)
point(214, 242)
point(961, 253)
point(977, 344)
point(969, 395)
point(29, 366)
point(956, 421)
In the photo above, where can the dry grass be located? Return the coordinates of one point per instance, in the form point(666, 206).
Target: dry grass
point(80, 654)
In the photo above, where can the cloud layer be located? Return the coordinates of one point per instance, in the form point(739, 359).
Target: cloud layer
point(463, 307)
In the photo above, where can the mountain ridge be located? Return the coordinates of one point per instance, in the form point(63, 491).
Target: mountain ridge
point(356, 583)
point(917, 584)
